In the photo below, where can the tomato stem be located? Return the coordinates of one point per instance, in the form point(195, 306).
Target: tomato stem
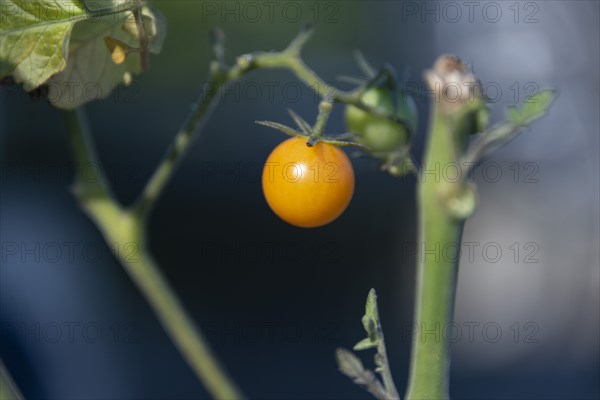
point(436, 276)
point(439, 228)
point(325, 108)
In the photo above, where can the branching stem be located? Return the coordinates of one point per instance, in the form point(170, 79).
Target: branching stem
point(219, 77)
point(127, 225)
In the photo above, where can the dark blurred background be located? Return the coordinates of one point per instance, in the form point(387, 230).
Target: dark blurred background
point(274, 300)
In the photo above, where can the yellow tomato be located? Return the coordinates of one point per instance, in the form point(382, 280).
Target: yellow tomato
point(308, 186)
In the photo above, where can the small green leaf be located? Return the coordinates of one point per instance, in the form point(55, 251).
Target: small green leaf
point(365, 344)
point(371, 324)
point(371, 318)
point(537, 104)
point(534, 107)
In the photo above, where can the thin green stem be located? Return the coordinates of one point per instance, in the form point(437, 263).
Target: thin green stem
point(325, 109)
point(177, 150)
point(83, 148)
point(304, 73)
point(8, 388)
point(386, 372)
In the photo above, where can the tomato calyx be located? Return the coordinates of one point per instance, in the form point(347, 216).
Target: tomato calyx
point(315, 133)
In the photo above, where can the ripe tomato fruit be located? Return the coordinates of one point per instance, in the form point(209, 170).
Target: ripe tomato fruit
point(307, 186)
point(377, 132)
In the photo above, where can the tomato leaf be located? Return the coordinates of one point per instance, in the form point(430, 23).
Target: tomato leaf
point(91, 73)
point(60, 43)
point(34, 38)
point(534, 107)
point(365, 344)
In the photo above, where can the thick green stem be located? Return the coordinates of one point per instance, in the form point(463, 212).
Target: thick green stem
point(443, 207)
point(437, 270)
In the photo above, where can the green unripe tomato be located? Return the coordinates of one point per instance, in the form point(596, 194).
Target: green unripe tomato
point(379, 133)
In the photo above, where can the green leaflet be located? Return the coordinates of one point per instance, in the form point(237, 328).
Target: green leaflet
point(534, 107)
point(371, 323)
point(34, 38)
point(60, 43)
